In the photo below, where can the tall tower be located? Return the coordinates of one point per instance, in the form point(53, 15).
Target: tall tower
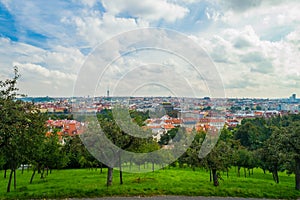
point(107, 93)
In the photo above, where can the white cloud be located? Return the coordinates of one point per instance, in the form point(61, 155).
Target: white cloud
point(147, 9)
point(255, 44)
point(294, 37)
point(40, 81)
point(252, 66)
point(41, 71)
point(270, 21)
point(93, 30)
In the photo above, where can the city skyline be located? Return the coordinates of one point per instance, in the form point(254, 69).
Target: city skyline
point(254, 45)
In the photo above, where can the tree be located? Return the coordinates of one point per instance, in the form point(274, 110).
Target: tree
point(168, 136)
point(248, 134)
point(286, 142)
point(22, 129)
point(106, 141)
point(191, 156)
point(78, 155)
point(290, 141)
point(18, 120)
point(139, 117)
point(12, 125)
point(258, 107)
point(271, 154)
point(34, 143)
point(217, 160)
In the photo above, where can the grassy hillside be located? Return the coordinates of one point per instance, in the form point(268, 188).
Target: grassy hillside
point(175, 181)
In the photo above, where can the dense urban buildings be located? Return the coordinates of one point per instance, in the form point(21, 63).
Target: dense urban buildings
point(166, 113)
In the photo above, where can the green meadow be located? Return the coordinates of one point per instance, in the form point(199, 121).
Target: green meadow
point(170, 181)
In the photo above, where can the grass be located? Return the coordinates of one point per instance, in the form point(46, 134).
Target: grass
point(174, 181)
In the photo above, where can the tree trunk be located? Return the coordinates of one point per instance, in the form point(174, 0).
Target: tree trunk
point(152, 166)
point(15, 179)
point(275, 175)
point(297, 174)
point(32, 176)
point(245, 172)
point(101, 168)
point(109, 176)
point(120, 168)
point(215, 177)
point(210, 178)
point(42, 173)
point(5, 173)
point(238, 173)
point(23, 168)
point(121, 177)
point(9, 181)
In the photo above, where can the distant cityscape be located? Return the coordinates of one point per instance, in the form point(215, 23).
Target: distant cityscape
point(237, 106)
point(166, 113)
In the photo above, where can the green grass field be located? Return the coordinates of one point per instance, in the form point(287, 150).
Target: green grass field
point(174, 181)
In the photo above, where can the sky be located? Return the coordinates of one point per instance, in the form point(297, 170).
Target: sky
point(253, 45)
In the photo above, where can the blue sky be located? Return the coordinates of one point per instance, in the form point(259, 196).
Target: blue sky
point(254, 44)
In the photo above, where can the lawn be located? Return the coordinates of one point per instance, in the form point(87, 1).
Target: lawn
point(173, 181)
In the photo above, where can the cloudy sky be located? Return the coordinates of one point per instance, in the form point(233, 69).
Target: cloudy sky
point(254, 44)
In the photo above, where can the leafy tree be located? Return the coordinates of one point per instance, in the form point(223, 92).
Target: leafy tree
point(12, 125)
point(78, 155)
point(139, 117)
point(33, 145)
point(248, 134)
point(99, 139)
point(290, 141)
point(20, 127)
point(191, 156)
point(271, 155)
point(217, 160)
point(258, 108)
point(167, 137)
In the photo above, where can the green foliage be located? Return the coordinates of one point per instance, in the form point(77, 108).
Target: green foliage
point(77, 154)
point(275, 141)
point(139, 117)
point(16, 121)
point(60, 117)
point(23, 133)
point(167, 137)
point(252, 133)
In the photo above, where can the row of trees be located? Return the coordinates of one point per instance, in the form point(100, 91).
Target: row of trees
point(270, 144)
point(275, 144)
point(23, 138)
point(24, 141)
